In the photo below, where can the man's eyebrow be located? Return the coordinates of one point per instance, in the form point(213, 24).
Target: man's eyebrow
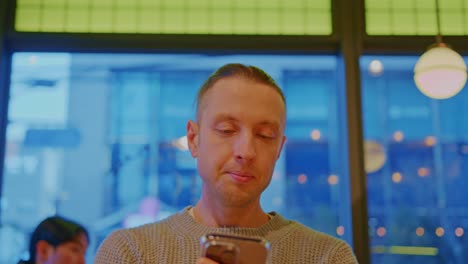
point(271, 123)
point(229, 117)
point(224, 117)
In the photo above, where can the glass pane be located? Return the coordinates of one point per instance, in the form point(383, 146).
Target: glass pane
point(100, 138)
point(177, 17)
point(416, 157)
point(244, 21)
point(28, 19)
point(102, 20)
point(415, 17)
point(126, 20)
point(53, 19)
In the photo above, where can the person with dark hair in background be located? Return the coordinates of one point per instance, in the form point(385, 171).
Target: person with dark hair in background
point(58, 240)
point(236, 137)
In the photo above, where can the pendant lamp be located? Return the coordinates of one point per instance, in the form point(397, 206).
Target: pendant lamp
point(440, 72)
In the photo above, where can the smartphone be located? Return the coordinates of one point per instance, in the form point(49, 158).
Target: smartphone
point(232, 249)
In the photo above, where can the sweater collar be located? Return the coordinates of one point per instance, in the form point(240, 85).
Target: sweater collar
point(183, 223)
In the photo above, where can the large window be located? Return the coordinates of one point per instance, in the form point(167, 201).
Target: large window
point(416, 153)
point(100, 138)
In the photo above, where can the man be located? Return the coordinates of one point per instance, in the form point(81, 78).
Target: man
point(57, 240)
point(236, 138)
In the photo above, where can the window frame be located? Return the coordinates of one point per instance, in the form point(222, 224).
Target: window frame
point(348, 41)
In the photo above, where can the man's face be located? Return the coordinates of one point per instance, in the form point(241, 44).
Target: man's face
point(72, 252)
point(237, 140)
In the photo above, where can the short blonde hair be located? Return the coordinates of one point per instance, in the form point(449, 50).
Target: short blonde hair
point(238, 70)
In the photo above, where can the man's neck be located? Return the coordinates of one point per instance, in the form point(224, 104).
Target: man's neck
point(214, 215)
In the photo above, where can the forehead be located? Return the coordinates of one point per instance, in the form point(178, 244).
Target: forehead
point(243, 96)
point(81, 240)
point(239, 84)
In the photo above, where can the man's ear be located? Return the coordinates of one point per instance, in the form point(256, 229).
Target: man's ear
point(43, 251)
point(281, 147)
point(192, 137)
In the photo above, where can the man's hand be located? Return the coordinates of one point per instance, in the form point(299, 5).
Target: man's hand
point(206, 261)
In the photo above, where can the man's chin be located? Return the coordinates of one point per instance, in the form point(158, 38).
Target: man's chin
point(237, 197)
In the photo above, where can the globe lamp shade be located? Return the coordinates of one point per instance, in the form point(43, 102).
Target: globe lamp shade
point(440, 73)
point(374, 156)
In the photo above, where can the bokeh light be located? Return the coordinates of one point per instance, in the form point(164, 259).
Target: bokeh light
point(423, 172)
point(376, 67)
point(381, 231)
point(302, 178)
point(397, 177)
point(340, 230)
point(420, 231)
point(398, 136)
point(332, 179)
point(315, 134)
point(459, 231)
point(440, 231)
point(430, 141)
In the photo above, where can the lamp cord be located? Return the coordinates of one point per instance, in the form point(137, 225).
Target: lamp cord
point(439, 35)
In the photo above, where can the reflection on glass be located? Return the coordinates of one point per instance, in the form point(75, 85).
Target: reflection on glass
point(417, 200)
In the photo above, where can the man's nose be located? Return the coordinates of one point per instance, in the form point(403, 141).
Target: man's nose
point(244, 148)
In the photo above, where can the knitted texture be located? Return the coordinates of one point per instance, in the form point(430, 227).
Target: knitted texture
point(177, 240)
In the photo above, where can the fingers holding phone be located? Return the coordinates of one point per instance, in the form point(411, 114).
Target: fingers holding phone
point(203, 260)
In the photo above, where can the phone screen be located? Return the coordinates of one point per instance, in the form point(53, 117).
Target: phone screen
point(224, 253)
point(230, 249)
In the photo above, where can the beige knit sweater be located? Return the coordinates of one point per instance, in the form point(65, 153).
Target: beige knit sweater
point(177, 240)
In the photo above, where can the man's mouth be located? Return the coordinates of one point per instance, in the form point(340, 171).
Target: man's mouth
point(241, 177)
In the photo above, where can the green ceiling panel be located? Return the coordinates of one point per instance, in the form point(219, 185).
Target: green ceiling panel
point(259, 17)
point(29, 17)
point(416, 17)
